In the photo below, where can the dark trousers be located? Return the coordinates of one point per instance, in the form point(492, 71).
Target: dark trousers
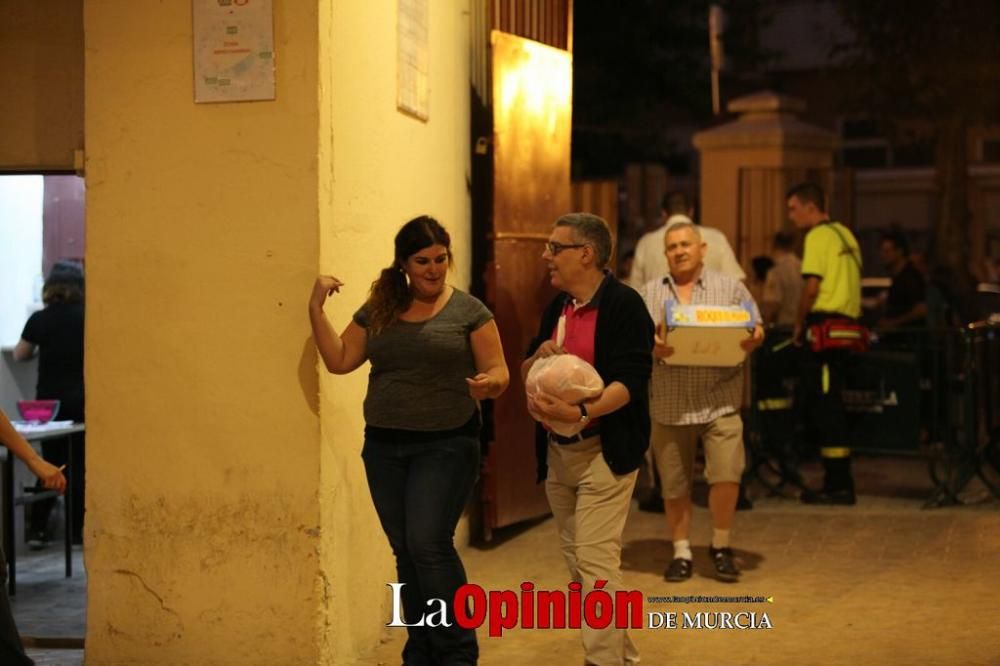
point(827, 425)
point(823, 384)
point(419, 490)
point(11, 651)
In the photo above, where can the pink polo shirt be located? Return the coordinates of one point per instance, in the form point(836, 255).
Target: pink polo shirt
point(581, 325)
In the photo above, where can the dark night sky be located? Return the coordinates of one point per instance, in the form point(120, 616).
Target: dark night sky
point(640, 69)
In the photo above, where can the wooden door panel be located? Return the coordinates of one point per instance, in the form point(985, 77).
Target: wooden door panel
point(531, 152)
point(531, 134)
point(522, 293)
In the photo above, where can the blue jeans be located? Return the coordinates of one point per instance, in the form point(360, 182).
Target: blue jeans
point(419, 490)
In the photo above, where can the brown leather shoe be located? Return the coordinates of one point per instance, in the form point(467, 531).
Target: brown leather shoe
point(725, 568)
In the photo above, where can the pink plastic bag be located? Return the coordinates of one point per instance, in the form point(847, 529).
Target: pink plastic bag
point(568, 378)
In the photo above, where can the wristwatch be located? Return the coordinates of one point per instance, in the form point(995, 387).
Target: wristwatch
point(584, 416)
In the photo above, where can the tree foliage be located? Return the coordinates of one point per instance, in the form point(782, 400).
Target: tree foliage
point(642, 66)
point(937, 62)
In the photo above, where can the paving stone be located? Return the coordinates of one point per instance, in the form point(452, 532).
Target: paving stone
point(883, 582)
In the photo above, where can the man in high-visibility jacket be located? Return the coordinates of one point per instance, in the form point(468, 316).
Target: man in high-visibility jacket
point(831, 271)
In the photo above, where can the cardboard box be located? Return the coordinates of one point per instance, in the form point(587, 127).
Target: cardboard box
point(707, 335)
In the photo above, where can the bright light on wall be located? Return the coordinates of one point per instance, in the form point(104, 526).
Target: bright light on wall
point(539, 83)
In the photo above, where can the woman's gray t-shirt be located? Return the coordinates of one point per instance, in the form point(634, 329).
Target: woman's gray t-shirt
point(418, 369)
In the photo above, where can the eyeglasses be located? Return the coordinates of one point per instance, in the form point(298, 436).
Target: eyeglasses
point(555, 248)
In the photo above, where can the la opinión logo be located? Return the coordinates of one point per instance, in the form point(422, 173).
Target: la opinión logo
point(529, 609)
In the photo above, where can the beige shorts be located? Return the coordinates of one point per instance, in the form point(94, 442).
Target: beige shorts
point(674, 448)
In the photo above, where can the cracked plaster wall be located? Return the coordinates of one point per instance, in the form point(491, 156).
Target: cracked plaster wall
point(228, 517)
point(203, 521)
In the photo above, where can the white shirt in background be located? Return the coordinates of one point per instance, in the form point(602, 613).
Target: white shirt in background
point(650, 260)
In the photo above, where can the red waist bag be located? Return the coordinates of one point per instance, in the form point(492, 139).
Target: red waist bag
point(832, 334)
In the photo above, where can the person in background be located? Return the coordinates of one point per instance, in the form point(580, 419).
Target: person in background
point(55, 333)
point(50, 477)
point(906, 302)
point(589, 477)
point(992, 270)
point(919, 261)
point(624, 271)
point(831, 290)
point(783, 286)
point(760, 266)
point(435, 351)
point(650, 264)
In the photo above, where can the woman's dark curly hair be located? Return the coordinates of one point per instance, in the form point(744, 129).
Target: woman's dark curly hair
point(64, 284)
point(390, 294)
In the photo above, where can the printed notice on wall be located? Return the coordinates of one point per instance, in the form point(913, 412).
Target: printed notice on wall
point(413, 69)
point(233, 50)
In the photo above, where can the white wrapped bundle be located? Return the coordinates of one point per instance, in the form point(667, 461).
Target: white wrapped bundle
point(568, 378)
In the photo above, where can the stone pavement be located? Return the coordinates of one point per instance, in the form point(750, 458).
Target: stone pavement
point(883, 582)
point(50, 606)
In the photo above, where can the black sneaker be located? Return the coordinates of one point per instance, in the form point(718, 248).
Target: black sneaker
point(844, 497)
point(679, 569)
point(725, 567)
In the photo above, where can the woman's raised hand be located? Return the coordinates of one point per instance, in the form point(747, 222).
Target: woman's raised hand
point(325, 285)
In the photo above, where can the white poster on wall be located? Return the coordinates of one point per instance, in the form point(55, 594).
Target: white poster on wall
point(233, 50)
point(413, 66)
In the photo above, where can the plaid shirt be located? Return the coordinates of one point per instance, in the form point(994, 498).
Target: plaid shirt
point(689, 395)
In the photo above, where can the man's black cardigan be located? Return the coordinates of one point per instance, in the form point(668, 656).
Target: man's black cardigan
point(623, 352)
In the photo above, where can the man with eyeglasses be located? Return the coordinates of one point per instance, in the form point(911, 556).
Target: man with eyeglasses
point(589, 477)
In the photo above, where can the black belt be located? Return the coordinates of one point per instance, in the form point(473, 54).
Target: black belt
point(586, 433)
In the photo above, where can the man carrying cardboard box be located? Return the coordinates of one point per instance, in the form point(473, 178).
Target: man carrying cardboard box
point(688, 402)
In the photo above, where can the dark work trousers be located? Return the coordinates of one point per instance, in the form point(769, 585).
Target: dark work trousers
point(11, 651)
point(826, 415)
point(419, 490)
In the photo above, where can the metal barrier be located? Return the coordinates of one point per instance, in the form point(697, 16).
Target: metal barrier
point(917, 392)
point(969, 442)
point(773, 432)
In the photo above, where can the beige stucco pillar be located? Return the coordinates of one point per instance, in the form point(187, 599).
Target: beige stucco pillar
point(767, 135)
point(228, 518)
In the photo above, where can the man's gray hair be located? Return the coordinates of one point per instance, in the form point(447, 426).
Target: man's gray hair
point(591, 229)
point(684, 224)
